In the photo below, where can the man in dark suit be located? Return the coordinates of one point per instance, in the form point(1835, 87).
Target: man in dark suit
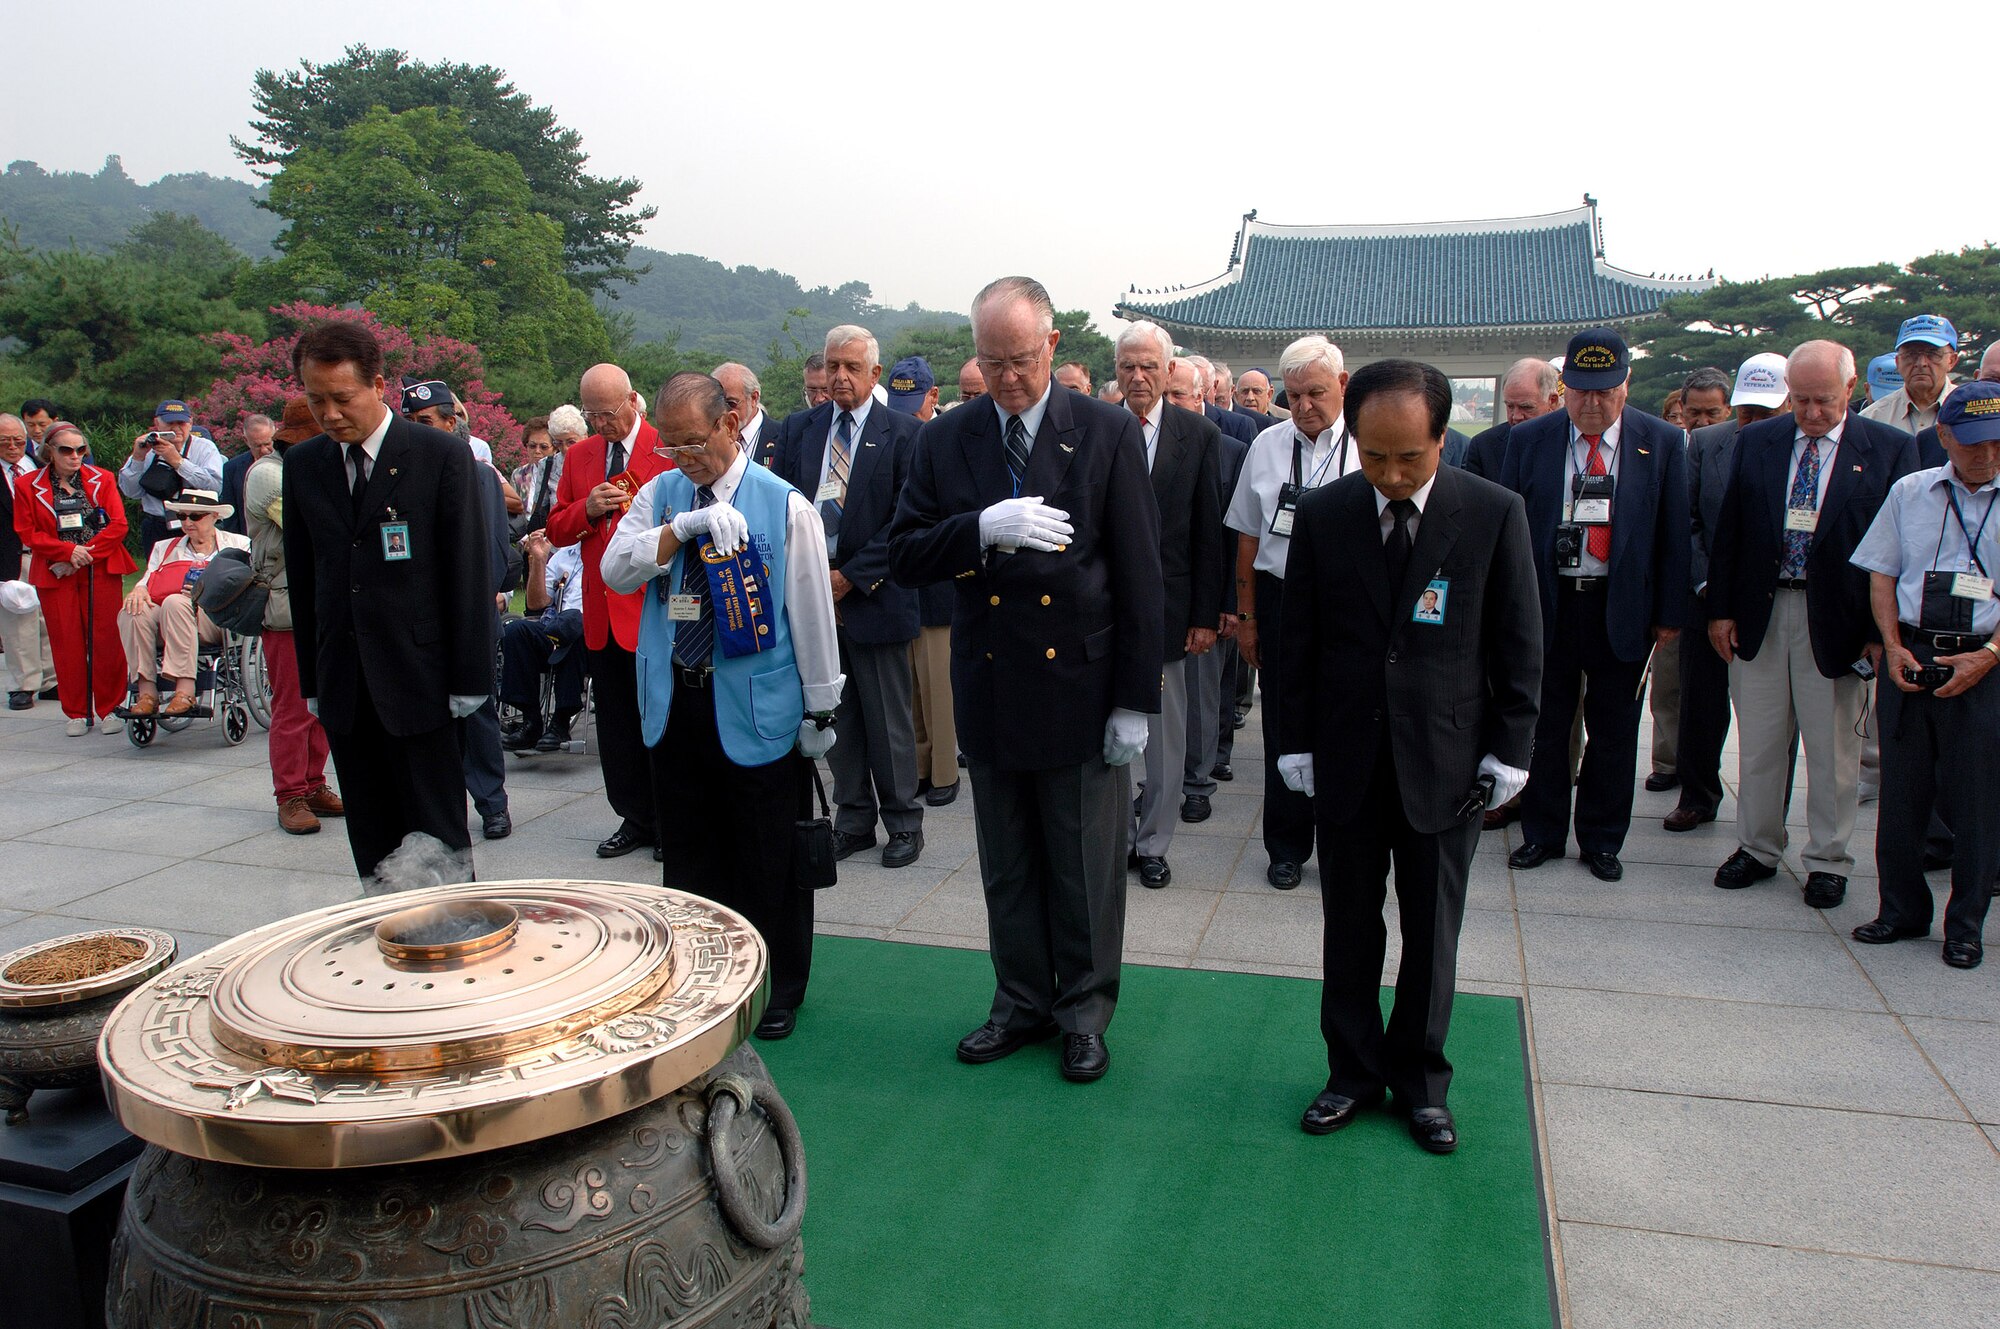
point(1211, 727)
point(1239, 427)
point(1605, 487)
point(1253, 399)
point(1530, 388)
point(1758, 393)
point(23, 634)
point(385, 551)
point(1035, 504)
point(850, 456)
point(588, 506)
point(1790, 614)
point(1180, 453)
point(260, 434)
point(1412, 666)
point(745, 394)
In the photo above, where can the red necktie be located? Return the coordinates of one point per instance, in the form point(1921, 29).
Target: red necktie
point(1598, 540)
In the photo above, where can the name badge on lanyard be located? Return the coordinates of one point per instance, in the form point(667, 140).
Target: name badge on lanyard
point(395, 542)
point(1967, 586)
point(1801, 519)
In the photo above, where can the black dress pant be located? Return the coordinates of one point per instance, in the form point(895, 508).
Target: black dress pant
point(1704, 713)
point(726, 833)
point(621, 750)
point(1288, 814)
point(1355, 859)
point(395, 786)
point(1611, 706)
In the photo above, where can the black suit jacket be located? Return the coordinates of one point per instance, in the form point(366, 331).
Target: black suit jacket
point(414, 632)
point(1232, 423)
point(1711, 453)
point(1228, 471)
point(1359, 671)
point(1749, 545)
point(770, 440)
point(1930, 450)
point(1187, 489)
point(1649, 521)
point(1487, 451)
point(877, 610)
point(1262, 419)
point(1043, 645)
point(10, 539)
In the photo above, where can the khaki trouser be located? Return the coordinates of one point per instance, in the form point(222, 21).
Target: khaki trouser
point(168, 632)
point(1777, 695)
point(1665, 698)
point(930, 707)
point(25, 639)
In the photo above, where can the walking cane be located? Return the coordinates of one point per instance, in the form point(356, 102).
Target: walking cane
point(89, 571)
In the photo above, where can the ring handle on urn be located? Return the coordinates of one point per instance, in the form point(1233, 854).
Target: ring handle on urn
point(729, 1095)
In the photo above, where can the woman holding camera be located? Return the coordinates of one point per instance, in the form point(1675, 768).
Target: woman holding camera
point(160, 611)
point(72, 521)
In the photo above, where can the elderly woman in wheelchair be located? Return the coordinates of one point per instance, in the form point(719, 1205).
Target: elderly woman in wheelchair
point(159, 621)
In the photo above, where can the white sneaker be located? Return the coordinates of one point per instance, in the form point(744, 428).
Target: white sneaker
point(76, 728)
point(111, 724)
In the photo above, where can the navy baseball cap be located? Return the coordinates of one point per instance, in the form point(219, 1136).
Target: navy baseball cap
point(1883, 376)
point(172, 411)
point(909, 383)
point(1931, 328)
point(1971, 411)
point(1597, 359)
point(427, 394)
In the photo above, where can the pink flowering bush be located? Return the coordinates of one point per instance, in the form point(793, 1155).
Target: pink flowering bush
point(257, 376)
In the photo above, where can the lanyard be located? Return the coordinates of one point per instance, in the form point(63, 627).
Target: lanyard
point(1336, 457)
point(1971, 537)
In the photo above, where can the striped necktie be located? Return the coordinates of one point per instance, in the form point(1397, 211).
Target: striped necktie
point(694, 643)
point(836, 473)
point(1017, 451)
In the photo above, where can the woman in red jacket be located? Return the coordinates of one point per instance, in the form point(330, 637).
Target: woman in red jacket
point(72, 523)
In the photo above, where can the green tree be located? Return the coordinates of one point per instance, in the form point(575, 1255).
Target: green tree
point(184, 247)
point(408, 216)
point(949, 347)
point(313, 107)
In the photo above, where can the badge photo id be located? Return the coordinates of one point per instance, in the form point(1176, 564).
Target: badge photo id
point(395, 542)
point(1430, 604)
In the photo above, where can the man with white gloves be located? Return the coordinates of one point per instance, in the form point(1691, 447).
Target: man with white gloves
point(1413, 664)
point(1033, 502)
point(738, 671)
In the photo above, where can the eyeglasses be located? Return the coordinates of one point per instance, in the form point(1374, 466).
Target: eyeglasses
point(686, 454)
point(611, 414)
point(1019, 364)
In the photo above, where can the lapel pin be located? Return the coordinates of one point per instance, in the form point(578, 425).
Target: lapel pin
point(392, 470)
point(1857, 470)
point(1644, 453)
point(1065, 447)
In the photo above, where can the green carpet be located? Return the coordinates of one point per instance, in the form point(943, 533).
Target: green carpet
point(1176, 1191)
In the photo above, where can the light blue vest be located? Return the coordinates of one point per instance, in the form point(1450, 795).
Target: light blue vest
point(759, 700)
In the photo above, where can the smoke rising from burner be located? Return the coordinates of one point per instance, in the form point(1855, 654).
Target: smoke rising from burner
point(420, 861)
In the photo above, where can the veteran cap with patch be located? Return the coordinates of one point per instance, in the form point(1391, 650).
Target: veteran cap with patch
point(1760, 381)
point(1971, 411)
point(427, 394)
point(1596, 360)
point(1883, 377)
point(172, 411)
point(1930, 328)
point(909, 383)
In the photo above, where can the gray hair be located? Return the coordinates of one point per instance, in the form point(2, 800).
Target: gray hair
point(1706, 379)
point(7, 418)
point(698, 390)
point(258, 419)
point(749, 377)
point(1019, 288)
point(1143, 330)
point(1204, 371)
point(847, 334)
point(566, 422)
point(1815, 350)
point(1193, 367)
point(1545, 376)
point(1308, 351)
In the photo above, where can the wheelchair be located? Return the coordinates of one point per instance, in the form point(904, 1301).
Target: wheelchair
point(512, 717)
point(221, 689)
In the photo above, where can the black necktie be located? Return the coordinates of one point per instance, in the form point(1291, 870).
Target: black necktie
point(694, 643)
point(1397, 548)
point(1017, 450)
point(614, 460)
point(360, 460)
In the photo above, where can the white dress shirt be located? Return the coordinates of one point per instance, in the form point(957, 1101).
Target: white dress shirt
point(753, 431)
point(565, 568)
point(372, 446)
point(1031, 419)
point(1421, 497)
point(1149, 427)
point(1268, 469)
point(630, 561)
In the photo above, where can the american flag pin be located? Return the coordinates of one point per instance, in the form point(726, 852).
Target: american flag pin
point(1856, 468)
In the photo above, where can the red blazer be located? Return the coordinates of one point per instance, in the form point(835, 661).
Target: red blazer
point(605, 614)
point(35, 522)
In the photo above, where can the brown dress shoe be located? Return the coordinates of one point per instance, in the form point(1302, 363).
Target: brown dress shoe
point(1686, 819)
point(180, 704)
point(147, 704)
point(326, 803)
point(1505, 814)
point(296, 818)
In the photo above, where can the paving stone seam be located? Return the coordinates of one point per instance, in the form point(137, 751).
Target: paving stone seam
point(1785, 1246)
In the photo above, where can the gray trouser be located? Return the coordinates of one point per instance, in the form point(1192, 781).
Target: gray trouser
point(1166, 755)
point(1204, 721)
point(874, 754)
point(25, 639)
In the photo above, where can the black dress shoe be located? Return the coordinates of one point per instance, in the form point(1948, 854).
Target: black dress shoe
point(1875, 932)
point(939, 796)
point(552, 738)
point(1239, 720)
point(1084, 1057)
point(778, 1022)
point(989, 1042)
point(659, 853)
point(1154, 872)
point(1195, 808)
point(619, 843)
point(845, 843)
point(1532, 856)
point(1686, 819)
point(1657, 783)
point(1433, 1128)
point(1963, 954)
point(19, 701)
point(1825, 890)
point(902, 849)
point(923, 786)
point(1223, 771)
point(1284, 874)
point(522, 739)
point(497, 827)
point(46, 694)
point(1742, 869)
point(1330, 1111)
point(1604, 867)
point(1936, 862)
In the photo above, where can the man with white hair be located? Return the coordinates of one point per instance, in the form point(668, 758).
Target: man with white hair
point(1074, 375)
point(1239, 427)
point(1288, 460)
point(761, 436)
point(23, 635)
point(1529, 388)
point(1181, 454)
point(850, 455)
point(260, 434)
point(1926, 350)
point(1789, 612)
point(1211, 727)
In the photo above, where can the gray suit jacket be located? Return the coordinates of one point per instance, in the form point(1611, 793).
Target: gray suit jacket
point(1710, 450)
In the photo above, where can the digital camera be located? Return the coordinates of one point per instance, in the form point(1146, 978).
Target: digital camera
point(78, 520)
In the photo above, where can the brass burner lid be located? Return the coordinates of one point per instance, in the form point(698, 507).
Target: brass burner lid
point(433, 1023)
point(155, 952)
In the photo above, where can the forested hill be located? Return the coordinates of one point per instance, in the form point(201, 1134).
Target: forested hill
point(50, 209)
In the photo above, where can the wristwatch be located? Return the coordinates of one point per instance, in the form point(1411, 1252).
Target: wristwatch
point(1246, 618)
point(1989, 646)
point(821, 720)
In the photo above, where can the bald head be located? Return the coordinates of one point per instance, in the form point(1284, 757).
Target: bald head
point(1989, 364)
point(971, 383)
point(1821, 377)
point(609, 405)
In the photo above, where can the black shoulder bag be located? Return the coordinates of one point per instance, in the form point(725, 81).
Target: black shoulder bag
point(813, 868)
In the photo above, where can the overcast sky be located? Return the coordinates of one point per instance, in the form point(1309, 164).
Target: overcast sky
point(925, 149)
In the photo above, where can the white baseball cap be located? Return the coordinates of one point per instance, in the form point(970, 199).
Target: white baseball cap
point(18, 597)
point(1761, 382)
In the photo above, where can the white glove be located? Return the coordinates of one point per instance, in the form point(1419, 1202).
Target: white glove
point(1124, 736)
point(1296, 770)
point(464, 706)
point(1017, 523)
point(312, 707)
point(724, 524)
point(1507, 780)
point(814, 741)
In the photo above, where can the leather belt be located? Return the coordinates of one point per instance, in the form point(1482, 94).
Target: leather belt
point(1791, 583)
point(1584, 583)
point(1946, 643)
point(685, 677)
